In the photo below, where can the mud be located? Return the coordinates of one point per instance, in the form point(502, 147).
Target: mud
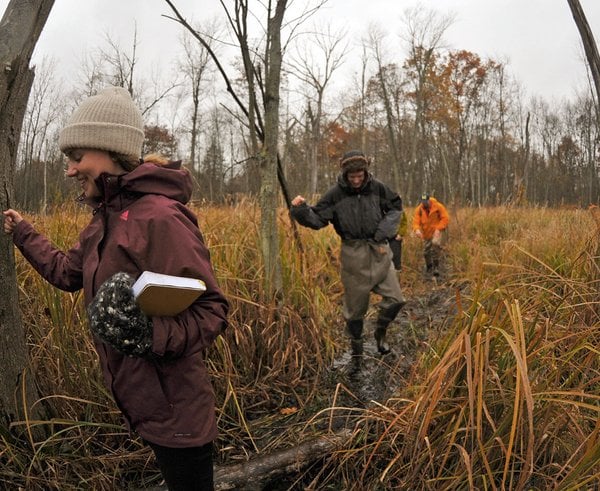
point(375, 378)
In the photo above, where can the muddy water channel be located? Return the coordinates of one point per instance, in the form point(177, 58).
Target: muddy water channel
point(376, 377)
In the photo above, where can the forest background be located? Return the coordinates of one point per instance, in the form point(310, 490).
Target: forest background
point(451, 122)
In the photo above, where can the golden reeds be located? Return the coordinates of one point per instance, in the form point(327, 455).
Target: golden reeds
point(504, 397)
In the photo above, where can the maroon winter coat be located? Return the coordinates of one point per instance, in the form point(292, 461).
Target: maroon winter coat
point(141, 224)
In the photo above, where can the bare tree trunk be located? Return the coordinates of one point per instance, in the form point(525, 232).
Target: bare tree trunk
point(589, 45)
point(251, 111)
point(20, 29)
point(315, 139)
point(268, 192)
point(315, 142)
point(315, 67)
point(526, 159)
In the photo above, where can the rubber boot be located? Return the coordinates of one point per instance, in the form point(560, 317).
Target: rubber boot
point(354, 328)
point(386, 315)
point(382, 346)
point(356, 346)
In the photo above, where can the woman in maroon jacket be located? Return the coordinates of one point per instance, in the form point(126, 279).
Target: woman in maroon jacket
point(154, 366)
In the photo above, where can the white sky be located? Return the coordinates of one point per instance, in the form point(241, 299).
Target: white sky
point(538, 38)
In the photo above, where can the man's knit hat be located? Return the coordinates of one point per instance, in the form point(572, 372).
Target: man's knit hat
point(354, 161)
point(107, 121)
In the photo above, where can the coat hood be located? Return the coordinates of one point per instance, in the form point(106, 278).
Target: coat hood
point(170, 180)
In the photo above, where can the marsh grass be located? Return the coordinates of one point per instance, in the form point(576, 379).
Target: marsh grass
point(265, 368)
point(509, 398)
point(505, 396)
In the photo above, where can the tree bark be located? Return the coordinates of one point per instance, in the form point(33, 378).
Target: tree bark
point(20, 29)
point(268, 191)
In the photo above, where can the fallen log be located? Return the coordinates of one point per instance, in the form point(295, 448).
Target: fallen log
point(253, 474)
point(258, 471)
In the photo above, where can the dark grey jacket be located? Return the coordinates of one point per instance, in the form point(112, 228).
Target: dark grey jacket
point(369, 213)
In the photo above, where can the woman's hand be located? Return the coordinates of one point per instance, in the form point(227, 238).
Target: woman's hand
point(11, 219)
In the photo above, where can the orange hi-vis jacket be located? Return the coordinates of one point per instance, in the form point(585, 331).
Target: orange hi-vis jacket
point(429, 221)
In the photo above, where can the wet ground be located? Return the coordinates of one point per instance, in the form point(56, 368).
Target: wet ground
point(376, 377)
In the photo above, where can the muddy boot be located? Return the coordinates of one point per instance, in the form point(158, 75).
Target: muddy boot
point(356, 346)
point(354, 329)
point(386, 315)
point(382, 346)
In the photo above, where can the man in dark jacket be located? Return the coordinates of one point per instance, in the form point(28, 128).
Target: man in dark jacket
point(364, 213)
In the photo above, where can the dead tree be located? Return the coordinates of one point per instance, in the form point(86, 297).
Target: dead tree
point(21, 26)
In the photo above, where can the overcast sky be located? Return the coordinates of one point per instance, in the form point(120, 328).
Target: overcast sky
point(538, 38)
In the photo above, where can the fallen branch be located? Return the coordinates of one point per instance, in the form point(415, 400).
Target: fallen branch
point(250, 475)
point(255, 473)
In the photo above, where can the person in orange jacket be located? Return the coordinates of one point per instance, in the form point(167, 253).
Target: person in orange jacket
point(429, 223)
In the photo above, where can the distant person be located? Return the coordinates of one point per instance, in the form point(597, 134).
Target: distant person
point(154, 366)
point(397, 240)
point(429, 224)
point(364, 213)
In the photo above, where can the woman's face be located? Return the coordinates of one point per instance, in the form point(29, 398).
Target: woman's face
point(86, 165)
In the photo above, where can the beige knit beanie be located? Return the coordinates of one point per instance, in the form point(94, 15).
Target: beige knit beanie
point(107, 121)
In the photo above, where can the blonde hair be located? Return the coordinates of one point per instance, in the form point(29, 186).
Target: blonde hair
point(156, 158)
point(129, 163)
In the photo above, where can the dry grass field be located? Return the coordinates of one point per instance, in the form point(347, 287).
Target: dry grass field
point(501, 394)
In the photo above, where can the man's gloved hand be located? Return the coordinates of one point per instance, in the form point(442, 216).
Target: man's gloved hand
point(437, 237)
point(117, 320)
point(418, 233)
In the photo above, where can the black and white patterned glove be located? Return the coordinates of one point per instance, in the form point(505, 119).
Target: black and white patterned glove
point(117, 320)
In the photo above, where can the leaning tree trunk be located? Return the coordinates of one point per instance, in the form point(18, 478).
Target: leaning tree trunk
point(589, 45)
point(20, 29)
